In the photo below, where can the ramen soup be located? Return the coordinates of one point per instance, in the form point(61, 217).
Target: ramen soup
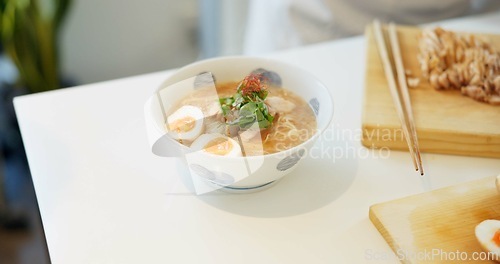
point(247, 118)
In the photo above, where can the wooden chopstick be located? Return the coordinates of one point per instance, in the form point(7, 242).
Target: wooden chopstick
point(389, 74)
point(403, 89)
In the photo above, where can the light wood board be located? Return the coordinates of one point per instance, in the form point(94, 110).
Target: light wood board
point(446, 121)
point(442, 220)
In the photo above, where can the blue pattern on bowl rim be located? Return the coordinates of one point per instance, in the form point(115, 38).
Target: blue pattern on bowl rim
point(314, 103)
point(220, 178)
point(270, 76)
point(290, 161)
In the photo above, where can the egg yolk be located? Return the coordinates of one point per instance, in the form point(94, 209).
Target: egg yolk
point(219, 146)
point(184, 124)
point(496, 238)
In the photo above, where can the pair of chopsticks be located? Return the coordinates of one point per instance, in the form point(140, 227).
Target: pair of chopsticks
point(399, 93)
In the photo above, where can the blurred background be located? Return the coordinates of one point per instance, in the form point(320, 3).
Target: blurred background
point(52, 44)
point(104, 40)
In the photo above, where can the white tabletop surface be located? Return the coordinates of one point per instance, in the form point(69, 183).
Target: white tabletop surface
point(105, 198)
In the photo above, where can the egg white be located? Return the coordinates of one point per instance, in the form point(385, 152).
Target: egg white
point(187, 111)
point(497, 183)
point(484, 234)
point(202, 141)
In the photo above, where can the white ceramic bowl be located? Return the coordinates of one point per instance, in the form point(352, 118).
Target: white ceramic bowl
point(240, 174)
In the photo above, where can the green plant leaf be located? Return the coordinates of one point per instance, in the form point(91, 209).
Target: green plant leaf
point(30, 40)
point(62, 7)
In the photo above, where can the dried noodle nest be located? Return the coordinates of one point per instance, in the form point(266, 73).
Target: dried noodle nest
point(465, 62)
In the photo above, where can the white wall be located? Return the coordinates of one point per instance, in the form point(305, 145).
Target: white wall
point(108, 39)
point(233, 25)
point(222, 25)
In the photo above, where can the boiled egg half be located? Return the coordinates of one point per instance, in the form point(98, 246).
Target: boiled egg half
point(217, 144)
point(488, 235)
point(186, 123)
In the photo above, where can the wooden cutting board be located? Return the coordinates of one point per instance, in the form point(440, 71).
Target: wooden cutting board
point(446, 121)
point(442, 220)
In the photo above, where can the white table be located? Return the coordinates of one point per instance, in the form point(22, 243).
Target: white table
point(105, 198)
